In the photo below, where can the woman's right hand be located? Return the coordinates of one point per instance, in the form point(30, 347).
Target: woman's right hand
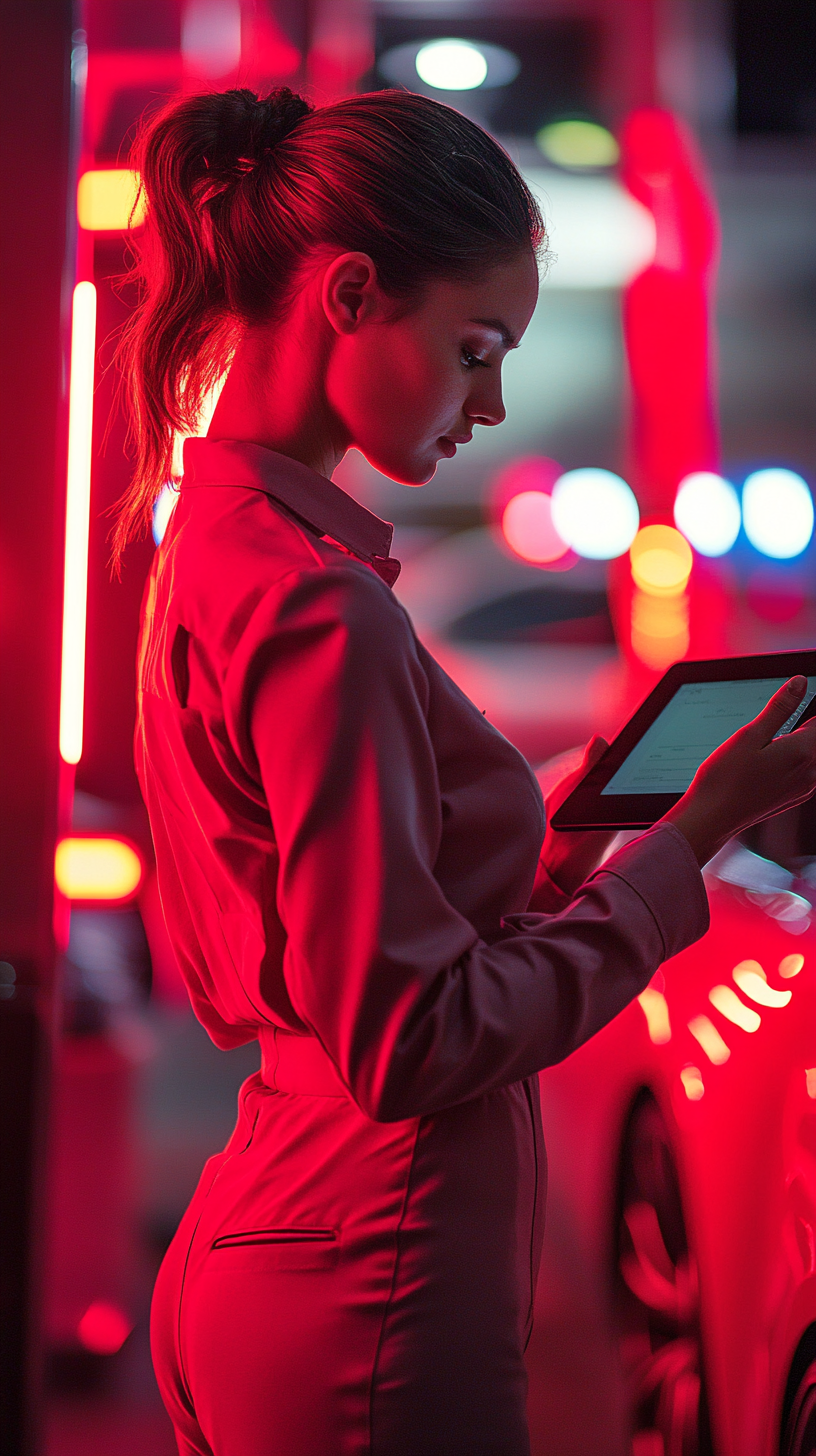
point(750, 777)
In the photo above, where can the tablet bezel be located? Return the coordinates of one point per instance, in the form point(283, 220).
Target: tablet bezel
point(585, 808)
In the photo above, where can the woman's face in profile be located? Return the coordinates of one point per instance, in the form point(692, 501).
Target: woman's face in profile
point(407, 389)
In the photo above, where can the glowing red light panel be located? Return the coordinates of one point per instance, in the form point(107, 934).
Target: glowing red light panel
point(666, 310)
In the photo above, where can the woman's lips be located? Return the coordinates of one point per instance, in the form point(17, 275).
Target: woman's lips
point(448, 445)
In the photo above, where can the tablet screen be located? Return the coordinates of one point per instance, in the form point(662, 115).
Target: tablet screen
point(693, 723)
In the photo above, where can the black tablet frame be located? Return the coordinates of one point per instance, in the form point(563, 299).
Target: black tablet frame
point(586, 809)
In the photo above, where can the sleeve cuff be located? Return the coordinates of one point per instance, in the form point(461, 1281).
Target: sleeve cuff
point(661, 868)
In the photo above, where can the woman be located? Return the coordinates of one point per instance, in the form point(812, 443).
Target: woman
point(350, 857)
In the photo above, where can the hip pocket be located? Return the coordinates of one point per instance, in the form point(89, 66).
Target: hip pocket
point(274, 1249)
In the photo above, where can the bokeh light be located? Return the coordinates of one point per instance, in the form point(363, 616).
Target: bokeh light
point(693, 1084)
point(707, 511)
point(753, 982)
point(655, 1008)
point(705, 1032)
point(528, 528)
point(791, 965)
point(108, 200)
point(103, 1328)
point(777, 510)
point(660, 629)
point(578, 145)
point(595, 512)
point(661, 561)
point(728, 1003)
point(97, 868)
point(162, 511)
point(451, 65)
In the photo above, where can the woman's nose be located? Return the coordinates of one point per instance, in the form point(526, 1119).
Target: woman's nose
point(486, 405)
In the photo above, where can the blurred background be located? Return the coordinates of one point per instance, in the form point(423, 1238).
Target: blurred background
point(650, 497)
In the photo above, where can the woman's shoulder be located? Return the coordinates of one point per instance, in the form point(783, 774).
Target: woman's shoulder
point(239, 564)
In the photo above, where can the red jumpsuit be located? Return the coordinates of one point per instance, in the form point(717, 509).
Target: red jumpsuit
point(347, 854)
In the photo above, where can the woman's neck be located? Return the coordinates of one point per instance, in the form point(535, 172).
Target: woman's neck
point(274, 392)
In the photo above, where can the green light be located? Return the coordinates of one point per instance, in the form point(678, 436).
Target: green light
point(578, 145)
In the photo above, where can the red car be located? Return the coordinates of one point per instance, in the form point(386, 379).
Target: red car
point(677, 1302)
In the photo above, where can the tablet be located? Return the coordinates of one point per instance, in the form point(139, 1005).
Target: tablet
point(693, 709)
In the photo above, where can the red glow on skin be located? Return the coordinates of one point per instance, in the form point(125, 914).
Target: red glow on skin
point(103, 1328)
point(402, 387)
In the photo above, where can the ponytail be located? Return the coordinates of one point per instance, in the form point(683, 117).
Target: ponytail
point(240, 191)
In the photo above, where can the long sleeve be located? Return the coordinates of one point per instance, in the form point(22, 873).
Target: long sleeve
point(417, 1012)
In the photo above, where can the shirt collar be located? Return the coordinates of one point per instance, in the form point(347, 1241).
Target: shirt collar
point(315, 501)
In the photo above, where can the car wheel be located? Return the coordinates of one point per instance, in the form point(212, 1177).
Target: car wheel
point(657, 1296)
point(799, 1436)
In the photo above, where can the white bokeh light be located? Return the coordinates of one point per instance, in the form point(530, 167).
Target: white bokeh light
point(163, 510)
point(707, 511)
point(451, 65)
point(777, 509)
point(595, 512)
point(211, 36)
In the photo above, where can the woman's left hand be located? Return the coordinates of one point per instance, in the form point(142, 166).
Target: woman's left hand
point(570, 855)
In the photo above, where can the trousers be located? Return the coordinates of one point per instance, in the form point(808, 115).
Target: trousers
point(342, 1287)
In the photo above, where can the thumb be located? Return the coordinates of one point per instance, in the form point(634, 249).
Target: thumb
point(595, 750)
point(778, 710)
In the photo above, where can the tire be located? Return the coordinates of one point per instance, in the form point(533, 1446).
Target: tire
point(657, 1296)
point(799, 1433)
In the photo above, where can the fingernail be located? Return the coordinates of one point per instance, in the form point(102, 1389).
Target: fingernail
point(797, 683)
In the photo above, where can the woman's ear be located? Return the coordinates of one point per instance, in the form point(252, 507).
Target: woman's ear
point(351, 292)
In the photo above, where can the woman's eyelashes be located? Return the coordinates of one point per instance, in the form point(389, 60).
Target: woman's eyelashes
point(471, 360)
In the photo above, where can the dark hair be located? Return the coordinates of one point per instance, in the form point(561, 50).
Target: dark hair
point(240, 191)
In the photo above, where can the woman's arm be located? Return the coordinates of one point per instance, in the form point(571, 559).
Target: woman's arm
point(566, 858)
point(415, 1010)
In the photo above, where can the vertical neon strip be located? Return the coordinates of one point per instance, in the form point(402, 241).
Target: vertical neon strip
point(77, 521)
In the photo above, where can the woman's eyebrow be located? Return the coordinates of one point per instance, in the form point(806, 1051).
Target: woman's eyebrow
point(507, 337)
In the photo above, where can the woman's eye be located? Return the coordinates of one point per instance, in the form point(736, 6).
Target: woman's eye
point(471, 360)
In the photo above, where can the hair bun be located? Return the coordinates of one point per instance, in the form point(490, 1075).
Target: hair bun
point(249, 128)
point(281, 111)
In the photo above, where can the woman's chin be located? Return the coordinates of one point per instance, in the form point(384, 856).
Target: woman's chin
point(406, 472)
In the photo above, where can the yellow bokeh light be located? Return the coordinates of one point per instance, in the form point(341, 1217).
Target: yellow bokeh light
point(661, 561)
point(790, 966)
point(578, 145)
point(753, 982)
point(692, 1083)
point(109, 201)
point(87, 868)
point(660, 629)
point(810, 1082)
point(655, 1008)
point(705, 1032)
point(729, 1005)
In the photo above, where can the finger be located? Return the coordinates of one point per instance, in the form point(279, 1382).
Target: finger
point(777, 711)
point(594, 751)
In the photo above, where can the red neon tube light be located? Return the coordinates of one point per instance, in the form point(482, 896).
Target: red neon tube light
point(77, 521)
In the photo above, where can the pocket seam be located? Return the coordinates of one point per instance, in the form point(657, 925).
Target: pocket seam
point(255, 1238)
